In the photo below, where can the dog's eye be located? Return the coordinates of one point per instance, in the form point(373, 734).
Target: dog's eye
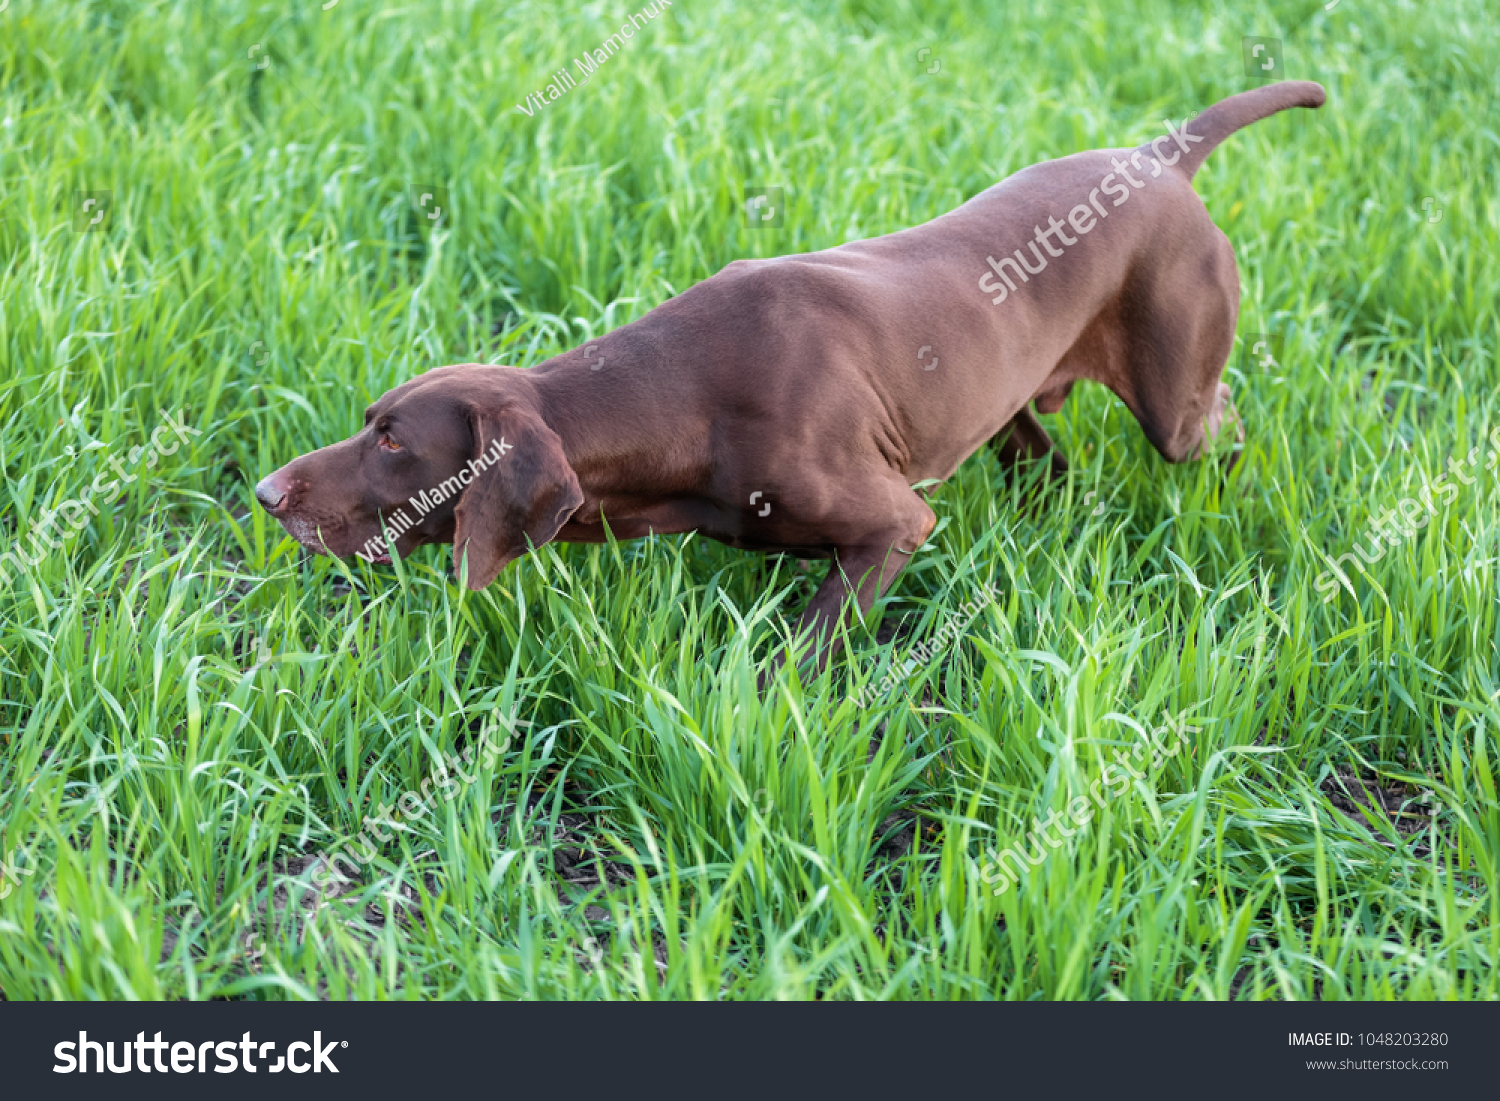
point(388, 444)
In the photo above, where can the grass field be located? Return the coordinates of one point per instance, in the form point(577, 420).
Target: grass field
point(193, 711)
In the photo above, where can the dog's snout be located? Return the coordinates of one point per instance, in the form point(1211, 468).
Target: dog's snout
point(269, 494)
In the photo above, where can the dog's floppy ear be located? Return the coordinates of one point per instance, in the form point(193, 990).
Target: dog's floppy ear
point(521, 488)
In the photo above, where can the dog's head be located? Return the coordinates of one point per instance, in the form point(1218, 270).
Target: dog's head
point(459, 455)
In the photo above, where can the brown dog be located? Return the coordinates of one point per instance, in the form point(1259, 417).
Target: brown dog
point(788, 405)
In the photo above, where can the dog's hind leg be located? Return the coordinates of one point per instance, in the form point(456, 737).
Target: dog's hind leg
point(1179, 338)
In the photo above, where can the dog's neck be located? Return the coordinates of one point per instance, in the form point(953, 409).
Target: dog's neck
point(609, 421)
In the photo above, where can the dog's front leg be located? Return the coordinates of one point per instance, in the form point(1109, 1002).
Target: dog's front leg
point(864, 569)
point(1024, 441)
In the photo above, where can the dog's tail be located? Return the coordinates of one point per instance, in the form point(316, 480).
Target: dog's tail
point(1203, 134)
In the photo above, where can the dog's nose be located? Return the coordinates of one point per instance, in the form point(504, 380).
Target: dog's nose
point(269, 494)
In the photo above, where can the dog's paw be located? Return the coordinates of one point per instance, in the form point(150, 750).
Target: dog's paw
point(1222, 413)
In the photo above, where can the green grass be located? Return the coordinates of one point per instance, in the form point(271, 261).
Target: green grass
point(191, 708)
